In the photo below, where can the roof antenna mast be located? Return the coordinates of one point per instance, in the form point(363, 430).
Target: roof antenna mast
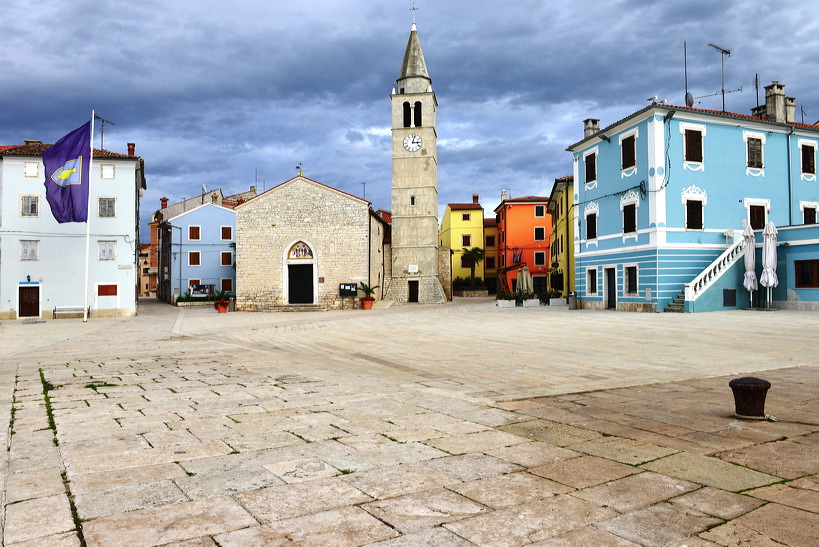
point(724, 52)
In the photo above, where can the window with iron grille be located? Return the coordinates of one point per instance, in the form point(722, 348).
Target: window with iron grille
point(107, 207)
point(30, 206)
point(693, 145)
point(631, 279)
point(693, 214)
point(591, 283)
point(809, 215)
point(628, 152)
point(754, 153)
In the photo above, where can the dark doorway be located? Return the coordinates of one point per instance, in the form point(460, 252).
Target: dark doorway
point(29, 301)
point(413, 291)
point(300, 282)
point(611, 289)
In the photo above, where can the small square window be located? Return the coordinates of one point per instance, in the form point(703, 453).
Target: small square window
point(107, 171)
point(490, 262)
point(540, 211)
point(807, 274)
point(412, 201)
point(540, 233)
point(465, 262)
point(490, 241)
point(30, 206)
point(194, 258)
point(31, 169)
point(809, 215)
point(107, 207)
point(227, 233)
point(808, 159)
point(29, 249)
point(193, 233)
point(540, 258)
point(466, 217)
point(466, 240)
point(227, 258)
point(227, 285)
point(628, 152)
point(693, 145)
point(590, 162)
point(194, 282)
point(107, 250)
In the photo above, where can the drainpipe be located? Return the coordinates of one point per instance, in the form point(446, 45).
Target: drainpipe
point(790, 180)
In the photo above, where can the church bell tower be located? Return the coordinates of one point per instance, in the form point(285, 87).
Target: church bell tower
point(414, 275)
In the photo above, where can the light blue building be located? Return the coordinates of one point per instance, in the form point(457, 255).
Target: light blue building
point(662, 197)
point(196, 249)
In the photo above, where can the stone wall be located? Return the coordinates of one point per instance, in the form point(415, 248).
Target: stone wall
point(336, 226)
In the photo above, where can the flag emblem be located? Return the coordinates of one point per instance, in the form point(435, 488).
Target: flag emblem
point(68, 173)
point(66, 168)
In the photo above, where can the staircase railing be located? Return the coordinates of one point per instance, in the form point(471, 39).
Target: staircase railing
point(716, 269)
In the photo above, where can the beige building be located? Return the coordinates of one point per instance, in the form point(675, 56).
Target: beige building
point(414, 270)
point(297, 242)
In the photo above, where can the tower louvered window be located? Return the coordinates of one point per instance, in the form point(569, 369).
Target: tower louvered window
point(418, 118)
point(407, 115)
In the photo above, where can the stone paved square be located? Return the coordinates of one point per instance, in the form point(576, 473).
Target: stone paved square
point(182, 426)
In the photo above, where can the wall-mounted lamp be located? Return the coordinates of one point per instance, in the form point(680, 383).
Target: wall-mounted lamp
point(28, 278)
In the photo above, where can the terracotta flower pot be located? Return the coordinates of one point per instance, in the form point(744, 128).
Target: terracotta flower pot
point(221, 308)
point(367, 303)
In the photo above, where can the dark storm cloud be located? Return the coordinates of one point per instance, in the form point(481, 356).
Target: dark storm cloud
point(237, 94)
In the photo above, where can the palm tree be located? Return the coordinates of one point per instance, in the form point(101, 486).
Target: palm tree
point(473, 256)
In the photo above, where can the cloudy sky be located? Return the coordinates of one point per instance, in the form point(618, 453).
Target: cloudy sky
point(225, 93)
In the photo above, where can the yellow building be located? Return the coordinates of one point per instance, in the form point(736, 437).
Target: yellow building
point(462, 226)
point(490, 261)
point(561, 207)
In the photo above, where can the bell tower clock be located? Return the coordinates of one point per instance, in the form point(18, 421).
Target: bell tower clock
point(414, 276)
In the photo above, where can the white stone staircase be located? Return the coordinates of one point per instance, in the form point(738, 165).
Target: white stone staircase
point(716, 269)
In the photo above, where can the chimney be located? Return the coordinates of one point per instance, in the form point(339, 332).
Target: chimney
point(131, 149)
point(164, 202)
point(475, 198)
point(29, 141)
point(790, 109)
point(590, 127)
point(775, 102)
point(503, 195)
point(253, 190)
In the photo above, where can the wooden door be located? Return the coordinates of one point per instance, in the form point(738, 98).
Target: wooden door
point(29, 301)
point(300, 283)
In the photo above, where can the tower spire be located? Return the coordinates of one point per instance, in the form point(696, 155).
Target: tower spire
point(414, 77)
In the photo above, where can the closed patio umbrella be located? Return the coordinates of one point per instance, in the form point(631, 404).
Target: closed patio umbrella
point(750, 262)
point(768, 278)
point(524, 280)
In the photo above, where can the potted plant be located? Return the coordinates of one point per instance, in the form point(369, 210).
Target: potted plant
point(221, 301)
point(368, 299)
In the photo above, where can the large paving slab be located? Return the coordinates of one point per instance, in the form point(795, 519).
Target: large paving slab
point(187, 427)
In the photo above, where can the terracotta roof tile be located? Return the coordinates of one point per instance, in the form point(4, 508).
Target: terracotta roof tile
point(37, 149)
point(526, 199)
point(464, 206)
point(490, 222)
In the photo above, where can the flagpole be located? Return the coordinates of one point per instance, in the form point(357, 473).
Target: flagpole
point(88, 224)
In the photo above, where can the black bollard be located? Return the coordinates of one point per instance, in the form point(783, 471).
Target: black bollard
point(749, 397)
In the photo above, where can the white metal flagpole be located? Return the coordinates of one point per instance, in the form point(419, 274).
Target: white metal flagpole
point(88, 224)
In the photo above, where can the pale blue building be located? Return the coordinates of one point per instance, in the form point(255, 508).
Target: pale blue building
point(196, 249)
point(662, 197)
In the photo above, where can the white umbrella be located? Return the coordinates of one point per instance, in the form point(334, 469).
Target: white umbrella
point(750, 261)
point(768, 278)
point(524, 280)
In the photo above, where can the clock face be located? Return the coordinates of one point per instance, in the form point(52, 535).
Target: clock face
point(412, 142)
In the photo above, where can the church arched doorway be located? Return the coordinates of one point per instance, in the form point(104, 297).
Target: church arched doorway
point(300, 274)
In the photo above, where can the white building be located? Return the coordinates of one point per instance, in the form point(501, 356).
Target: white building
point(42, 262)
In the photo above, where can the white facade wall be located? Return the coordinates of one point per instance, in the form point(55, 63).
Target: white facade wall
point(59, 269)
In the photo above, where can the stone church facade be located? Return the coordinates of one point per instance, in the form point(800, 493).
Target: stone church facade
point(298, 241)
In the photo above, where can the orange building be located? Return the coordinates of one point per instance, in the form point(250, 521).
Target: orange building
point(524, 229)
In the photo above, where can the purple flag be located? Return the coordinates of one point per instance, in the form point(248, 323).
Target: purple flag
point(66, 170)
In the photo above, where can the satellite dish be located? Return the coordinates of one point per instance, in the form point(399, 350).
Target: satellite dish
point(689, 100)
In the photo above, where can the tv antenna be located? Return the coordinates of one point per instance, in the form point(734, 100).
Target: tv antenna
point(802, 108)
point(725, 53)
point(259, 179)
point(102, 129)
point(299, 169)
point(689, 98)
point(364, 184)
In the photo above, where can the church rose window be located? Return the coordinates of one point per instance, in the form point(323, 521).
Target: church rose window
point(300, 251)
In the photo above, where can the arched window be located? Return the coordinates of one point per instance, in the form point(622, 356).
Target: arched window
point(407, 115)
point(418, 122)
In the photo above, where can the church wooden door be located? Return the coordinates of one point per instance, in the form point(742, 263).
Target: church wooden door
point(300, 282)
point(29, 301)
